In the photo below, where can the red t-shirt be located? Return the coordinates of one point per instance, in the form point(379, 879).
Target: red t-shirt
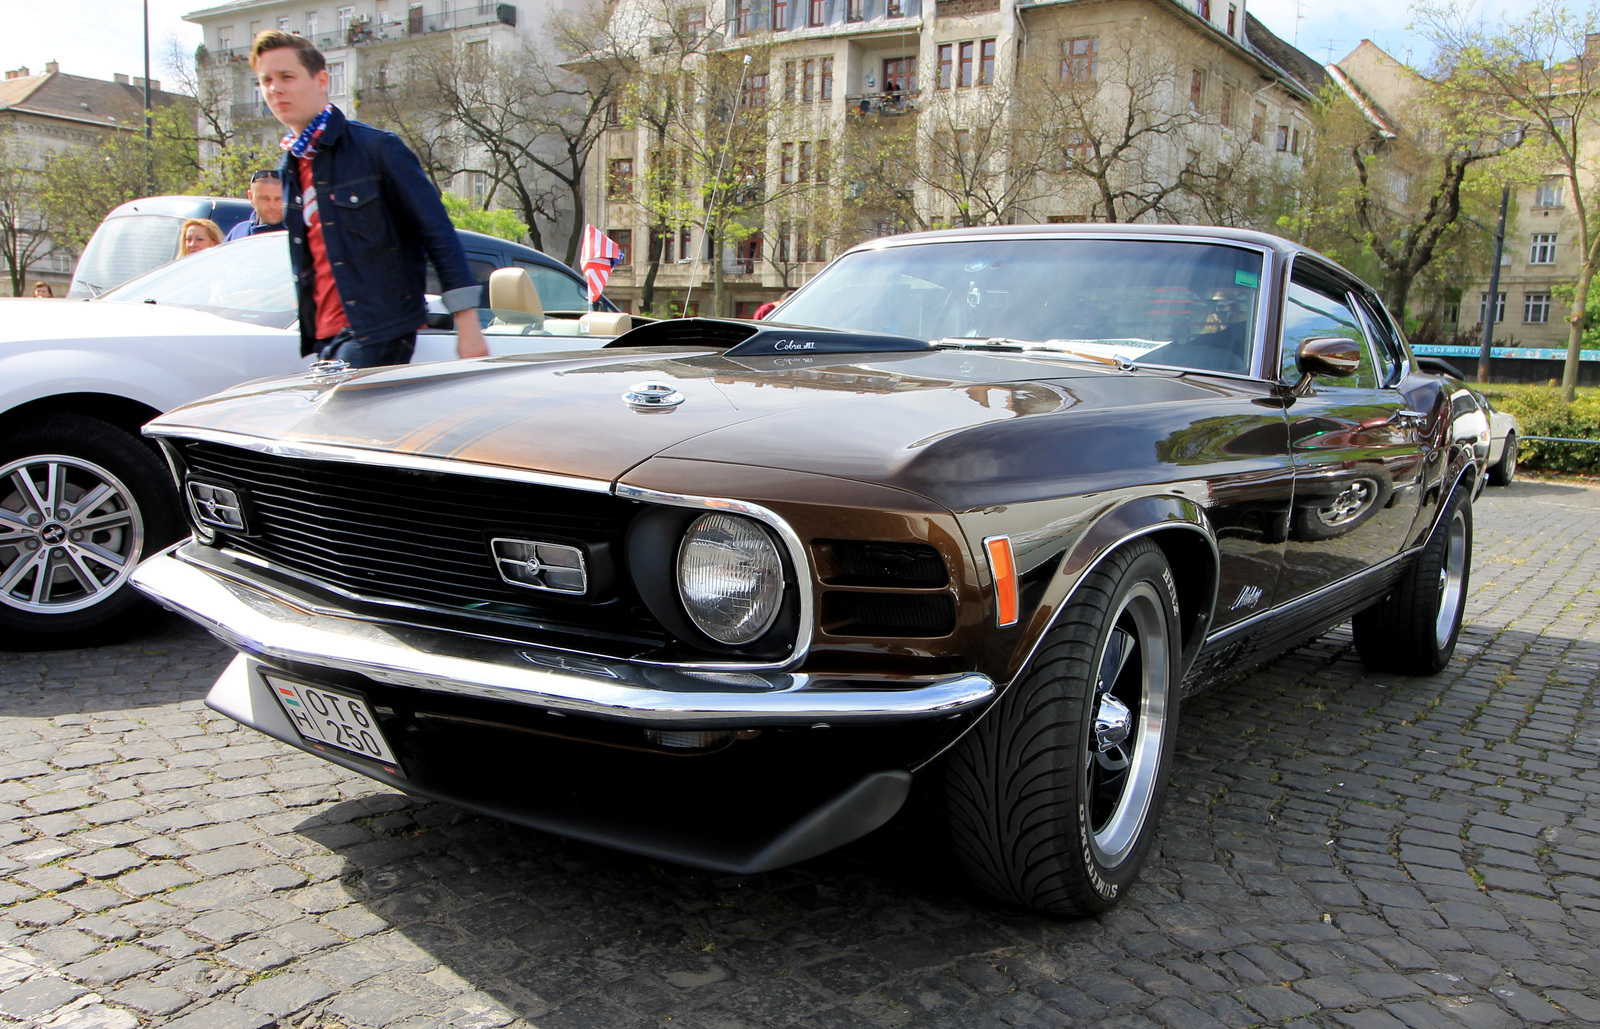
point(324, 291)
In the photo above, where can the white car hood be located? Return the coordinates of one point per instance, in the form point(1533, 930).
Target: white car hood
point(30, 321)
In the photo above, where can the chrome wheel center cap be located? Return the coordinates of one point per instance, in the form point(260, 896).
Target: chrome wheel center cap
point(53, 534)
point(1112, 722)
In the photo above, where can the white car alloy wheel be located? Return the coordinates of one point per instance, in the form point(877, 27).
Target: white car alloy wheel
point(70, 534)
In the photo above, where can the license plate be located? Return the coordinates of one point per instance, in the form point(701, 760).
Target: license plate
point(338, 719)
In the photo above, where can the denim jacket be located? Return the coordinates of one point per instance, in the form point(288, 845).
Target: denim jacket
point(381, 221)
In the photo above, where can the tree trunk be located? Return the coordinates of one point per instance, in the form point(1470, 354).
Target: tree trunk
point(716, 278)
point(647, 293)
point(1576, 324)
point(1399, 290)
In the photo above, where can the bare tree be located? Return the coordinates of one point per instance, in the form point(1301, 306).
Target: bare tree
point(1113, 121)
point(973, 161)
point(25, 237)
point(1537, 71)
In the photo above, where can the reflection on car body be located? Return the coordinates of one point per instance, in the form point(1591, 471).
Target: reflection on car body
point(1027, 489)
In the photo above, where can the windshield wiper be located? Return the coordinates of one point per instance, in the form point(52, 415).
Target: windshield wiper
point(1006, 343)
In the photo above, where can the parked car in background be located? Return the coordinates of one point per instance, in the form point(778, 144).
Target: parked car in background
point(1505, 429)
point(143, 234)
point(982, 506)
point(82, 497)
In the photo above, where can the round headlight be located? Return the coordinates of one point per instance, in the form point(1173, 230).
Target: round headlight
point(730, 578)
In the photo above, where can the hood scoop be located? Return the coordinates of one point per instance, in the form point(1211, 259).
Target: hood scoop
point(762, 339)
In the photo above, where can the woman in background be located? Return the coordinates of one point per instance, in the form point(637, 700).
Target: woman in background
point(43, 291)
point(198, 234)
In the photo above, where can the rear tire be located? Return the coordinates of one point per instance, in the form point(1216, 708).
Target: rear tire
point(81, 502)
point(1053, 797)
point(1414, 629)
point(1505, 469)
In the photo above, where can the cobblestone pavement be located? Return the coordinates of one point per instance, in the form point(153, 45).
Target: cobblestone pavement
point(1340, 849)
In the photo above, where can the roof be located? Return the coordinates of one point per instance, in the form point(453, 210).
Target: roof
point(1370, 109)
point(1293, 63)
point(80, 99)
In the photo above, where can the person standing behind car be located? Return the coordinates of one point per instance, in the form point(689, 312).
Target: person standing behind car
point(363, 221)
point(266, 205)
point(197, 234)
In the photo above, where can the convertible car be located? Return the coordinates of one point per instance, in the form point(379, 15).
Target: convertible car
point(979, 506)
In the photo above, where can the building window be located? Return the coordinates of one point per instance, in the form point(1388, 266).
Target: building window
point(613, 114)
point(1226, 115)
point(1233, 19)
point(1203, 9)
point(624, 241)
point(947, 56)
point(1080, 59)
point(694, 23)
point(311, 24)
point(755, 91)
point(825, 85)
point(801, 252)
point(1258, 123)
point(1294, 141)
point(748, 255)
point(1283, 139)
point(336, 78)
point(1197, 89)
point(900, 75)
point(1483, 308)
point(619, 180)
point(1535, 308)
point(225, 39)
point(807, 156)
point(807, 71)
point(855, 10)
point(785, 243)
point(283, 23)
point(741, 19)
point(786, 164)
point(788, 80)
point(1543, 248)
point(964, 66)
point(897, 9)
point(661, 246)
point(817, 14)
point(478, 56)
point(1077, 148)
point(780, 15)
point(346, 16)
point(986, 62)
point(1548, 194)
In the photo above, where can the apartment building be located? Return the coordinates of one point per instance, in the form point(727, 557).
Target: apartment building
point(45, 113)
point(832, 73)
point(359, 39)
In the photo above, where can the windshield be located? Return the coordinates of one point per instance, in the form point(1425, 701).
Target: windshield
point(1191, 305)
point(122, 248)
point(248, 280)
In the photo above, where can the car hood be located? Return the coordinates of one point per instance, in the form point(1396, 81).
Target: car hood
point(25, 321)
point(911, 420)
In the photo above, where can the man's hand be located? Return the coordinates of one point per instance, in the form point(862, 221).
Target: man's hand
point(469, 335)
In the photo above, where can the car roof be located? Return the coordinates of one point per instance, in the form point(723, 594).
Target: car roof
point(482, 241)
point(182, 206)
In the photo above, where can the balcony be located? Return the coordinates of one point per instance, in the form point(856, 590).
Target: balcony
point(882, 105)
point(964, 8)
point(482, 14)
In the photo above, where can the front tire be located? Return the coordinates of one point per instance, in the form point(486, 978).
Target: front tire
point(1505, 469)
point(81, 502)
point(1052, 798)
point(1414, 629)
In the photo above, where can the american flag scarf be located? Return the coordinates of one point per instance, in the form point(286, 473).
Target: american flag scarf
point(305, 144)
point(600, 255)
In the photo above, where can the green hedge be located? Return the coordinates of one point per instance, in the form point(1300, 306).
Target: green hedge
point(1542, 413)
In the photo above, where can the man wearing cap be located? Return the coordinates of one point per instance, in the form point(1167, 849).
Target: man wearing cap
point(266, 206)
point(363, 221)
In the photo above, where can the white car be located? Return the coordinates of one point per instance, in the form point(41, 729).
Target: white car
point(1504, 432)
point(82, 496)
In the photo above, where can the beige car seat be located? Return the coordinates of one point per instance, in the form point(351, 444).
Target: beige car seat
point(606, 323)
point(512, 290)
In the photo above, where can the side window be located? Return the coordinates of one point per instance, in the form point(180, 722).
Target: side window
point(481, 270)
point(1315, 311)
point(1390, 354)
point(557, 290)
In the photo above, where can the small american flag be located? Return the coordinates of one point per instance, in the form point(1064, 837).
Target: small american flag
point(600, 255)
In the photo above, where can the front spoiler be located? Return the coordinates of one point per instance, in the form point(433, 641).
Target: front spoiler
point(268, 626)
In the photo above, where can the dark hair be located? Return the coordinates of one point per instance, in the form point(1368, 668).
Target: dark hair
point(263, 173)
point(277, 39)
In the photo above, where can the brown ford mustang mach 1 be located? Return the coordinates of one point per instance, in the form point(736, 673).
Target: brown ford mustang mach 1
point(981, 506)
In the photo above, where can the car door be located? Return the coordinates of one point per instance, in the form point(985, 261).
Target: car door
point(1357, 450)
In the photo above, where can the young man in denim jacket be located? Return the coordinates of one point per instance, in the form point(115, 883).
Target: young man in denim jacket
point(363, 219)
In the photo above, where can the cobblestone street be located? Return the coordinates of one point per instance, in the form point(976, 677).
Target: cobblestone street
point(1338, 849)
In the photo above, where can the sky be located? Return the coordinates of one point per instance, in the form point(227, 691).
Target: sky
point(98, 38)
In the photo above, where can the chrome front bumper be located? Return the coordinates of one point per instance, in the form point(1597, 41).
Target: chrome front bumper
point(268, 627)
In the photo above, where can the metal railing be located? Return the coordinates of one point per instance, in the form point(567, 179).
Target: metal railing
point(887, 104)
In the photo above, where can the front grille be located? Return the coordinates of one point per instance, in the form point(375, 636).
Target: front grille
point(398, 535)
point(880, 563)
point(888, 614)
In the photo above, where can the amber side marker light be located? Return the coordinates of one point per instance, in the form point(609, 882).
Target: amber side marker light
point(1005, 579)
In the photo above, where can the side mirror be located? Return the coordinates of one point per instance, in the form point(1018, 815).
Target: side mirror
point(1330, 356)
